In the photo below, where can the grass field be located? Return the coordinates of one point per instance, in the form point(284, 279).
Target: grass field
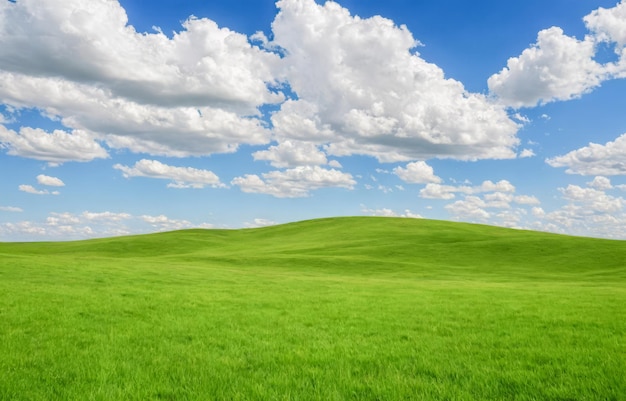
point(332, 309)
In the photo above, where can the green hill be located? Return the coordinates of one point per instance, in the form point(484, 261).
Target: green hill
point(369, 245)
point(358, 308)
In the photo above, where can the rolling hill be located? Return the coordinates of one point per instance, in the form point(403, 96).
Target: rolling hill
point(356, 308)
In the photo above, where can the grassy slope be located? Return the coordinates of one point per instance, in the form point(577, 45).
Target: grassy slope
point(350, 308)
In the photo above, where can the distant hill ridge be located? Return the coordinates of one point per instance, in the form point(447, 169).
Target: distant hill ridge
point(429, 248)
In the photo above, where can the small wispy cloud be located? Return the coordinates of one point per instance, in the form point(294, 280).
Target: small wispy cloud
point(11, 209)
point(32, 190)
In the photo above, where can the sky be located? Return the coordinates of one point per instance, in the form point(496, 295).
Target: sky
point(127, 117)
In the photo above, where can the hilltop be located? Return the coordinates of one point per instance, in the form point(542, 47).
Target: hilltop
point(368, 245)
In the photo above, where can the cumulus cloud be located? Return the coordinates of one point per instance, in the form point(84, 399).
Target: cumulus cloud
point(498, 200)
point(417, 173)
point(49, 181)
point(69, 226)
point(164, 223)
point(181, 177)
point(105, 216)
point(595, 200)
point(561, 67)
point(56, 147)
point(526, 200)
point(22, 230)
point(470, 208)
point(363, 89)
point(490, 202)
point(438, 191)
point(203, 64)
point(608, 24)
point(291, 154)
point(488, 186)
point(600, 183)
point(197, 92)
point(595, 159)
point(294, 183)
point(32, 190)
point(385, 212)
point(123, 123)
point(259, 223)
point(557, 67)
point(588, 211)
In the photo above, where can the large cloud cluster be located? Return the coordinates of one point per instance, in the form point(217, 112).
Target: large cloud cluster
point(363, 89)
point(194, 93)
point(360, 88)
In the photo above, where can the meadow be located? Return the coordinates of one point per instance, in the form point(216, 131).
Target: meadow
point(356, 308)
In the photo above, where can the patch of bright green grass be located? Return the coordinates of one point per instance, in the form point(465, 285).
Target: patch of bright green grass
point(331, 309)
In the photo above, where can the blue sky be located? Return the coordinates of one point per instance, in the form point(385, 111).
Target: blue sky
point(131, 117)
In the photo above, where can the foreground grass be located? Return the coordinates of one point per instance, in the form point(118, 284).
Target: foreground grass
point(336, 309)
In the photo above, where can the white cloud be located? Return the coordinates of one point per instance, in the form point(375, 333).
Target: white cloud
point(181, 177)
point(55, 147)
point(122, 123)
point(105, 216)
point(470, 208)
point(527, 153)
point(294, 183)
point(538, 212)
point(417, 173)
point(22, 229)
point(600, 183)
point(594, 200)
point(595, 159)
point(557, 67)
point(385, 212)
point(260, 223)
point(490, 202)
point(11, 209)
point(588, 211)
point(63, 219)
point(203, 64)
point(32, 190)
point(49, 181)
point(526, 200)
point(291, 153)
point(510, 218)
point(362, 89)
point(69, 226)
point(488, 186)
point(521, 118)
point(438, 191)
point(561, 67)
point(608, 24)
point(164, 223)
point(195, 93)
point(498, 200)
point(335, 164)
point(385, 189)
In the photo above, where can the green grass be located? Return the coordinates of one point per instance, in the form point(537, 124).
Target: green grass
point(330, 309)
